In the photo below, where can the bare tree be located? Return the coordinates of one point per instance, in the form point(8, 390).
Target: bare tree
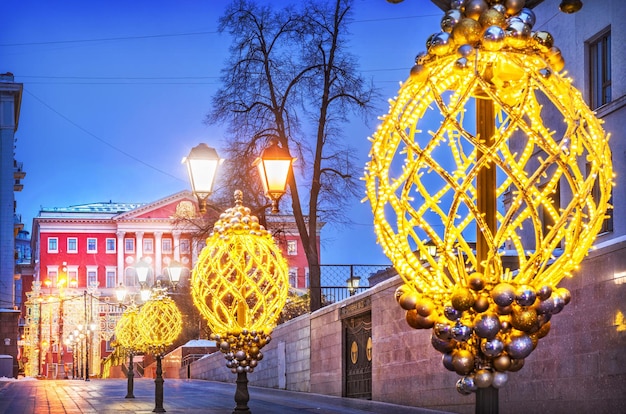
point(290, 76)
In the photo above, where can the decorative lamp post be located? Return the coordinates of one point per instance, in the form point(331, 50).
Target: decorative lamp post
point(142, 269)
point(240, 285)
point(159, 323)
point(127, 334)
point(202, 163)
point(274, 166)
point(353, 283)
point(486, 318)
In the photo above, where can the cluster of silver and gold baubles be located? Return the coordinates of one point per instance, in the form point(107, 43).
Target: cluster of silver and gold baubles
point(490, 25)
point(483, 331)
point(242, 350)
point(552, 179)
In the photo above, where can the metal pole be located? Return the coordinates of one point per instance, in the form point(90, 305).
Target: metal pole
point(486, 398)
point(241, 394)
point(130, 375)
point(158, 387)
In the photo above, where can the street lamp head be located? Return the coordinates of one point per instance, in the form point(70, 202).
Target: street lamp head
point(202, 163)
point(142, 269)
point(353, 283)
point(274, 166)
point(120, 293)
point(175, 270)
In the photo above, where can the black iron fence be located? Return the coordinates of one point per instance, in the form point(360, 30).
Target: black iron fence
point(341, 281)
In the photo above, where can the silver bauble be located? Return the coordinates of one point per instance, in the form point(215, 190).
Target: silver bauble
point(461, 388)
point(520, 346)
point(440, 44)
point(461, 63)
point(450, 19)
point(546, 306)
point(483, 378)
point(469, 383)
point(441, 345)
point(503, 294)
point(443, 330)
point(544, 292)
point(461, 332)
point(517, 34)
point(525, 295)
point(456, 4)
point(492, 348)
point(527, 16)
point(493, 38)
point(446, 360)
point(499, 8)
point(487, 326)
point(467, 51)
point(499, 379)
point(451, 313)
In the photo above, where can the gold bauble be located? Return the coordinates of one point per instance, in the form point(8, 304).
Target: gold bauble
point(492, 17)
point(524, 319)
point(462, 299)
point(467, 31)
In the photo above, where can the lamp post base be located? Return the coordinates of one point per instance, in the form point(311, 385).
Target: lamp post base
point(241, 394)
point(487, 400)
point(130, 376)
point(158, 387)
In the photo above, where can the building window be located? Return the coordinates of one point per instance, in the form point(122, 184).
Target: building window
point(109, 347)
point(92, 245)
point(166, 245)
point(600, 69)
point(53, 245)
point(53, 274)
point(293, 277)
point(148, 245)
point(111, 277)
point(72, 276)
point(129, 277)
point(92, 276)
point(129, 245)
point(72, 245)
point(292, 247)
point(185, 246)
point(607, 224)
point(110, 245)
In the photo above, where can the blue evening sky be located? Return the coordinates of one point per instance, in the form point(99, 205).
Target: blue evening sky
point(116, 92)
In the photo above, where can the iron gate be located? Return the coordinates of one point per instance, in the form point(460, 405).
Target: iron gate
point(358, 356)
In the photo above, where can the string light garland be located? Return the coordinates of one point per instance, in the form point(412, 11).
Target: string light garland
point(240, 284)
point(423, 186)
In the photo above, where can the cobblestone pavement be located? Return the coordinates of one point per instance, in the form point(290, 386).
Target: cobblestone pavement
point(28, 396)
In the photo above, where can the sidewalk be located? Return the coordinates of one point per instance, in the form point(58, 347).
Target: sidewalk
point(27, 396)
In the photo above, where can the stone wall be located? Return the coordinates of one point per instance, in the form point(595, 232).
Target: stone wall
point(579, 367)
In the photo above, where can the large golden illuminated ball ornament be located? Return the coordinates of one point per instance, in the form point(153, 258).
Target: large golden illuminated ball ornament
point(240, 284)
point(127, 331)
point(552, 180)
point(159, 321)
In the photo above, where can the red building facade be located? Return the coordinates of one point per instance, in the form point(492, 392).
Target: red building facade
point(89, 250)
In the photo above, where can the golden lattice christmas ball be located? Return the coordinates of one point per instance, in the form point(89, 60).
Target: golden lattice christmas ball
point(552, 178)
point(159, 321)
point(241, 278)
point(127, 332)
